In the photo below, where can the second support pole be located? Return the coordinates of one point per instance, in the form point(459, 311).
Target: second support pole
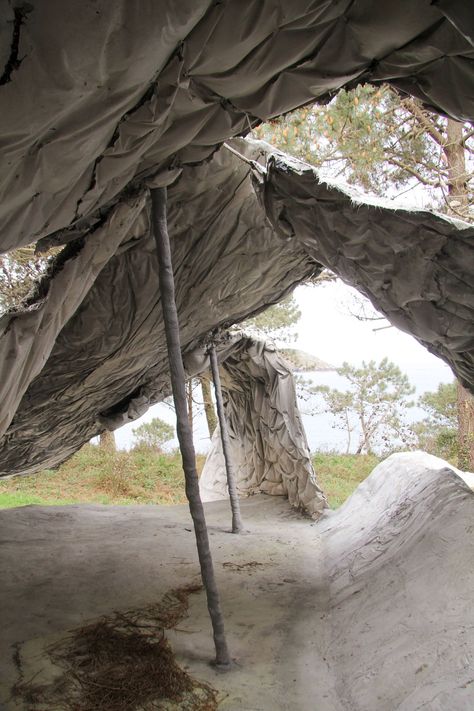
point(237, 525)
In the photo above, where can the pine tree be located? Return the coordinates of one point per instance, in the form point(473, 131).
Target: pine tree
point(376, 400)
point(386, 144)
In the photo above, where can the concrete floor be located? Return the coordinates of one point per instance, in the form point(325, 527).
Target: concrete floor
point(369, 609)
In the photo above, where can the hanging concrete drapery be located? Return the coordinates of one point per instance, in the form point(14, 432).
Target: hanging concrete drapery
point(231, 479)
point(185, 437)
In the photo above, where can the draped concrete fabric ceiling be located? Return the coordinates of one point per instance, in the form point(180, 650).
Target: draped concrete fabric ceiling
point(246, 226)
point(100, 100)
point(67, 376)
point(95, 96)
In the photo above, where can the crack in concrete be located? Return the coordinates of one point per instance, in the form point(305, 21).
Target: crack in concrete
point(14, 62)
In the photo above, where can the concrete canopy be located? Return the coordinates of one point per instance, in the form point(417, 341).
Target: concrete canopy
point(101, 101)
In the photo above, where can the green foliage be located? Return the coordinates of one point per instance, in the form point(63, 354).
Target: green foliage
point(141, 476)
point(13, 499)
point(375, 139)
point(375, 402)
point(340, 474)
point(144, 476)
point(381, 141)
point(441, 405)
point(19, 270)
point(438, 432)
point(278, 321)
point(153, 434)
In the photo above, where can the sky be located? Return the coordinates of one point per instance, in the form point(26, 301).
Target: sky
point(329, 331)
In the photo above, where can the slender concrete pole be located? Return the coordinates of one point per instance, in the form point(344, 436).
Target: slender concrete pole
point(185, 437)
point(237, 526)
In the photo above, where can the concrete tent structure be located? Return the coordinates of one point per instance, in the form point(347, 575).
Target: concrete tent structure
point(100, 102)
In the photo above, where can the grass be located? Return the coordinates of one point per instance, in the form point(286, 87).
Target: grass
point(95, 475)
point(144, 476)
point(339, 474)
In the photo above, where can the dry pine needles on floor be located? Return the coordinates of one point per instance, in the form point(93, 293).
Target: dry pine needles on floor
point(121, 663)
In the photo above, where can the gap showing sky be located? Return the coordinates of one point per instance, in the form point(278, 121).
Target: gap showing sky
point(329, 331)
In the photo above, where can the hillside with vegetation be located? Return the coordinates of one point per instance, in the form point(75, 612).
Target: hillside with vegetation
point(144, 476)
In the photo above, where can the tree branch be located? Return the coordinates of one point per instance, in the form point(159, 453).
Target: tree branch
point(468, 135)
point(415, 173)
point(419, 115)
